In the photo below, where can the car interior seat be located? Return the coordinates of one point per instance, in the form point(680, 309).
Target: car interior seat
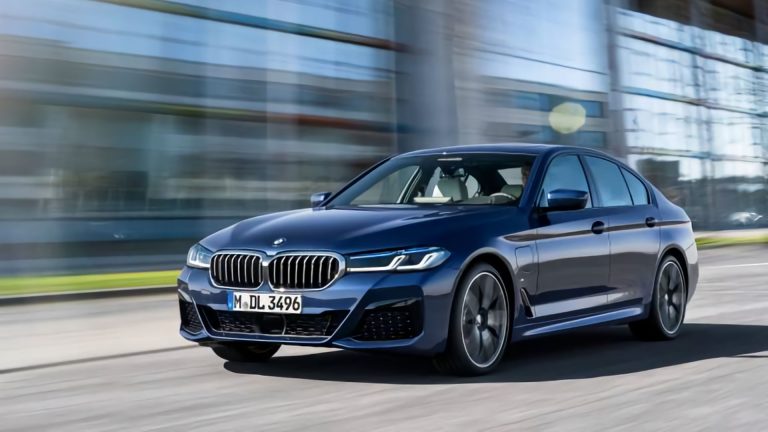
point(452, 187)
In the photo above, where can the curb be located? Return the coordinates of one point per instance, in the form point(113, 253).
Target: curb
point(84, 295)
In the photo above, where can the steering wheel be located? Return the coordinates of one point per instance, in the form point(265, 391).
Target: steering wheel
point(500, 198)
point(502, 194)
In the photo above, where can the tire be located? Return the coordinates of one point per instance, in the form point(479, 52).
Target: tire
point(668, 304)
point(477, 321)
point(245, 352)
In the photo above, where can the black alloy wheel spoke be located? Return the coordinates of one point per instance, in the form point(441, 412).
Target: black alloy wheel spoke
point(493, 303)
point(481, 345)
point(479, 291)
point(473, 305)
point(486, 352)
point(488, 289)
point(472, 339)
point(494, 298)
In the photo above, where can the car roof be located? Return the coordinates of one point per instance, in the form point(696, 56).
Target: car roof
point(512, 148)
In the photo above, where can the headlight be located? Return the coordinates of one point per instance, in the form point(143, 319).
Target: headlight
point(199, 257)
point(402, 260)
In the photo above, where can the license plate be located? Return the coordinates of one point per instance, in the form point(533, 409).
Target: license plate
point(275, 303)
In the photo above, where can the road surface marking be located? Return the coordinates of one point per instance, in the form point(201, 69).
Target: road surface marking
point(93, 359)
point(736, 265)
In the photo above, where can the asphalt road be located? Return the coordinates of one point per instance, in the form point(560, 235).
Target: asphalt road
point(120, 365)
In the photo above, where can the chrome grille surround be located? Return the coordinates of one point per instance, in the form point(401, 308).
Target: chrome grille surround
point(304, 270)
point(237, 269)
point(297, 271)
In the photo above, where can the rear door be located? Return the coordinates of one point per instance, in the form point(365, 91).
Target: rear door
point(632, 230)
point(573, 248)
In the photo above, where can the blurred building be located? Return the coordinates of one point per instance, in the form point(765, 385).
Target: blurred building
point(154, 121)
point(146, 122)
point(691, 76)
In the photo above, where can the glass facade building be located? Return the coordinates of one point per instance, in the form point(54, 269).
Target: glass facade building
point(152, 120)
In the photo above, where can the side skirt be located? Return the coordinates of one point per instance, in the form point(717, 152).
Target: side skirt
point(614, 316)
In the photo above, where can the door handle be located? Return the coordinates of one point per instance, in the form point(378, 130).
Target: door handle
point(650, 222)
point(598, 227)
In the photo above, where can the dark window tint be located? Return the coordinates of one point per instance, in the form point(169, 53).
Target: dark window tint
point(593, 108)
point(636, 188)
point(526, 100)
point(565, 172)
point(610, 184)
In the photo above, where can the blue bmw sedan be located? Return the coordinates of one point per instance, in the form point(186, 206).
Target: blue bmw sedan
point(452, 253)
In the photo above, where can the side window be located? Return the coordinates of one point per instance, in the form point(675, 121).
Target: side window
point(636, 188)
point(609, 182)
point(565, 172)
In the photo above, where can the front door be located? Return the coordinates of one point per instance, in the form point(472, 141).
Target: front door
point(573, 248)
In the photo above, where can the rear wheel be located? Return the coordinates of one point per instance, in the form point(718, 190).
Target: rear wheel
point(670, 295)
point(245, 352)
point(479, 326)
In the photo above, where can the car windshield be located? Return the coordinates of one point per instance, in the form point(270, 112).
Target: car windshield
point(452, 179)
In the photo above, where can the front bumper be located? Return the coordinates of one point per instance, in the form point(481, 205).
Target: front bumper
point(400, 312)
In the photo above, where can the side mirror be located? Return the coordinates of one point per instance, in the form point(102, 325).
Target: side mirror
point(566, 199)
point(318, 198)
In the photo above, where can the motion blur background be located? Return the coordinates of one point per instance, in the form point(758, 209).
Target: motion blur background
point(129, 129)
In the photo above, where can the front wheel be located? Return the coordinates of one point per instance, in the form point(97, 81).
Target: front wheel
point(245, 352)
point(479, 324)
point(668, 304)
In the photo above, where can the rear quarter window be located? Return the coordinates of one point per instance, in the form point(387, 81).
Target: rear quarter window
point(610, 184)
point(636, 188)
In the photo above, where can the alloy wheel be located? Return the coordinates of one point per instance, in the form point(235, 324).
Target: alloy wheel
point(484, 319)
point(672, 296)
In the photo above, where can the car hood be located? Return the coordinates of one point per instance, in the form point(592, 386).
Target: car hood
point(346, 230)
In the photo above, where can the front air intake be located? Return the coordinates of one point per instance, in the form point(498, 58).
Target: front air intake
point(189, 319)
point(402, 320)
